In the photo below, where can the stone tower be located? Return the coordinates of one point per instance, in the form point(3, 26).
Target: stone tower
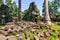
point(32, 14)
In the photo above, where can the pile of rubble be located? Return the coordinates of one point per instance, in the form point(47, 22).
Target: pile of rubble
point(26, 30)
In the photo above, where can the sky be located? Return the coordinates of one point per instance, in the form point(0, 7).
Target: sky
point(25, 4)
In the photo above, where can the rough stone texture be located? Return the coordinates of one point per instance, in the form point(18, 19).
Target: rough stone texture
point(42, 38)
point(3, 32)
point(46, 34)
point(21, 36)
point(2, 37)
point(34, 30)
point(12, 38)
point(36, 38)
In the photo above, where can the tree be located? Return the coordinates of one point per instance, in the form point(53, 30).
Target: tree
point(53, 9)
point(15, 9)
point(50, 8)
point(19, 10)
point(1, 2)
point(9, 3)
point(56, 6)
point(47, 17)
point(12, 7)
point(24, 13)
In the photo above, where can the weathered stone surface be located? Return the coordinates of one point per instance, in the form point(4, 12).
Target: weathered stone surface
point(36, 38)
point(10, 30)
point(42, 38)
point(12, 38)
point(3, 32)
point(32, 30)
point(2, 37)
point(46, 34)
point(21, 36)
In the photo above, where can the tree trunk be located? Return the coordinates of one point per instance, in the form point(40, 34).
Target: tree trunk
point(19, 10)
point(47, 17)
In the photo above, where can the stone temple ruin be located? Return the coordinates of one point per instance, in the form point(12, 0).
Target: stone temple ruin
point(32, 14)
point(4, 14)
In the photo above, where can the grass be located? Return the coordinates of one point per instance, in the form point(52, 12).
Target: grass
point(55, 26)
point(57, 32)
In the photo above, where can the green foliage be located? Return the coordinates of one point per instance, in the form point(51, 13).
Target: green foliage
point(35, 33)
point(32, 38)
point(1, 2)
point(15, 33)
point(51, 38)
point(15, 9)
point(27, 32)
point(53, 7)
point(24, 12)
point(24, 39)
point(57, 32)
point(57, 29)
point(7, 17)
point(12, 7)
point(55, 26)
point(8, 2)
point(58, 13)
